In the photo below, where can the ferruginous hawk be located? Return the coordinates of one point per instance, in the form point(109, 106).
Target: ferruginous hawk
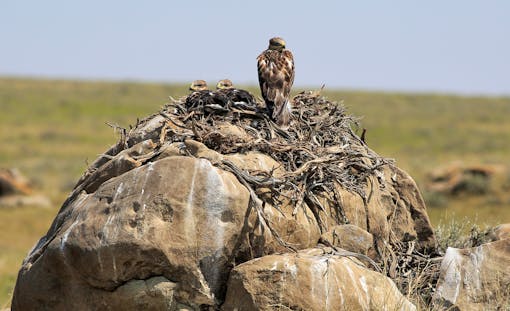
point(276, 76)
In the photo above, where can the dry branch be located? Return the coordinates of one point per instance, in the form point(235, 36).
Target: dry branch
point(318, 151)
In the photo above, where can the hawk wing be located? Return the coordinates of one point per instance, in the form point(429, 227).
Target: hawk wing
point(276, 76)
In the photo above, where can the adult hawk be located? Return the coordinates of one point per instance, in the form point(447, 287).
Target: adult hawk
point(276, 76)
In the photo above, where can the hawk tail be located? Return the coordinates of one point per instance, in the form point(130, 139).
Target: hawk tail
point(282, 113)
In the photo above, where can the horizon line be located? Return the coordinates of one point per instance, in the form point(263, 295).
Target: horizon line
point(255, 85)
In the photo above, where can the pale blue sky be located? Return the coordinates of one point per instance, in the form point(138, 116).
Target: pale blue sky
point(442, 46)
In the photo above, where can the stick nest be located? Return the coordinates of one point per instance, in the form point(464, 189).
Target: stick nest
point(318, 151)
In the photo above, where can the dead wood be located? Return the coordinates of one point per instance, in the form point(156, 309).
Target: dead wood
point(318, 151)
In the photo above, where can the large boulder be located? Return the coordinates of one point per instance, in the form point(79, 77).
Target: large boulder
point(313, 279)
point(475, 278)
point(161, 218)
point(178, 217)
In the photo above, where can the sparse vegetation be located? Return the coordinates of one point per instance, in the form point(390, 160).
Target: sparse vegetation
point(460, 234)
point(42, 120)
point(419, 282)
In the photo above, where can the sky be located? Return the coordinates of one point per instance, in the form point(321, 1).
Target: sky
point(454, 46)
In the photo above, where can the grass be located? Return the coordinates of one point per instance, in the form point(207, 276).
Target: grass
point(21, 228)
point(50, 129)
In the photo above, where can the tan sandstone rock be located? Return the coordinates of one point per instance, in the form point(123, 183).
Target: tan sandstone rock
point(476, 278)
point(351, 238)
point(178, 217)
point(313, 279)
point(458, 177)
point(393, 210)
point(161, 218)
point(500, 232)
point(151, 294)
point(16, 191)
point(13, 182)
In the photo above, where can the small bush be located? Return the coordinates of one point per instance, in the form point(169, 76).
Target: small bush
point(460, 234)
point(473, 184)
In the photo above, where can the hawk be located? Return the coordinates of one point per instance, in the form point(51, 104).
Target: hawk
point(276, 76)
point(200, 96)
point(238, 98)
point(224, 84)
point(198, 85)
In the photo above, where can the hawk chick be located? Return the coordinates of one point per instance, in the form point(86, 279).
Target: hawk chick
point(238, 98)
point(224, 84)
point(198, 85)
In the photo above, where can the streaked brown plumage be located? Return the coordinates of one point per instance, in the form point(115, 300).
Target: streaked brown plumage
point(219, 101)
point(276, 76)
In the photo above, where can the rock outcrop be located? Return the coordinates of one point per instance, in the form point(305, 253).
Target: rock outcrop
point(188, 199)
point(16, 190)
point(313, 279)
point(499, 232)
point(13, 182)
point(458, 178)
point(475, 278)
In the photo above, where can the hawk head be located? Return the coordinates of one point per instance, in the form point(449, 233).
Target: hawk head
point(276, 43)
point(224, 84)
point(198, 85)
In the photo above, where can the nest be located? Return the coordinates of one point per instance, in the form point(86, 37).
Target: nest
point(318, 151)
point(317, 154)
